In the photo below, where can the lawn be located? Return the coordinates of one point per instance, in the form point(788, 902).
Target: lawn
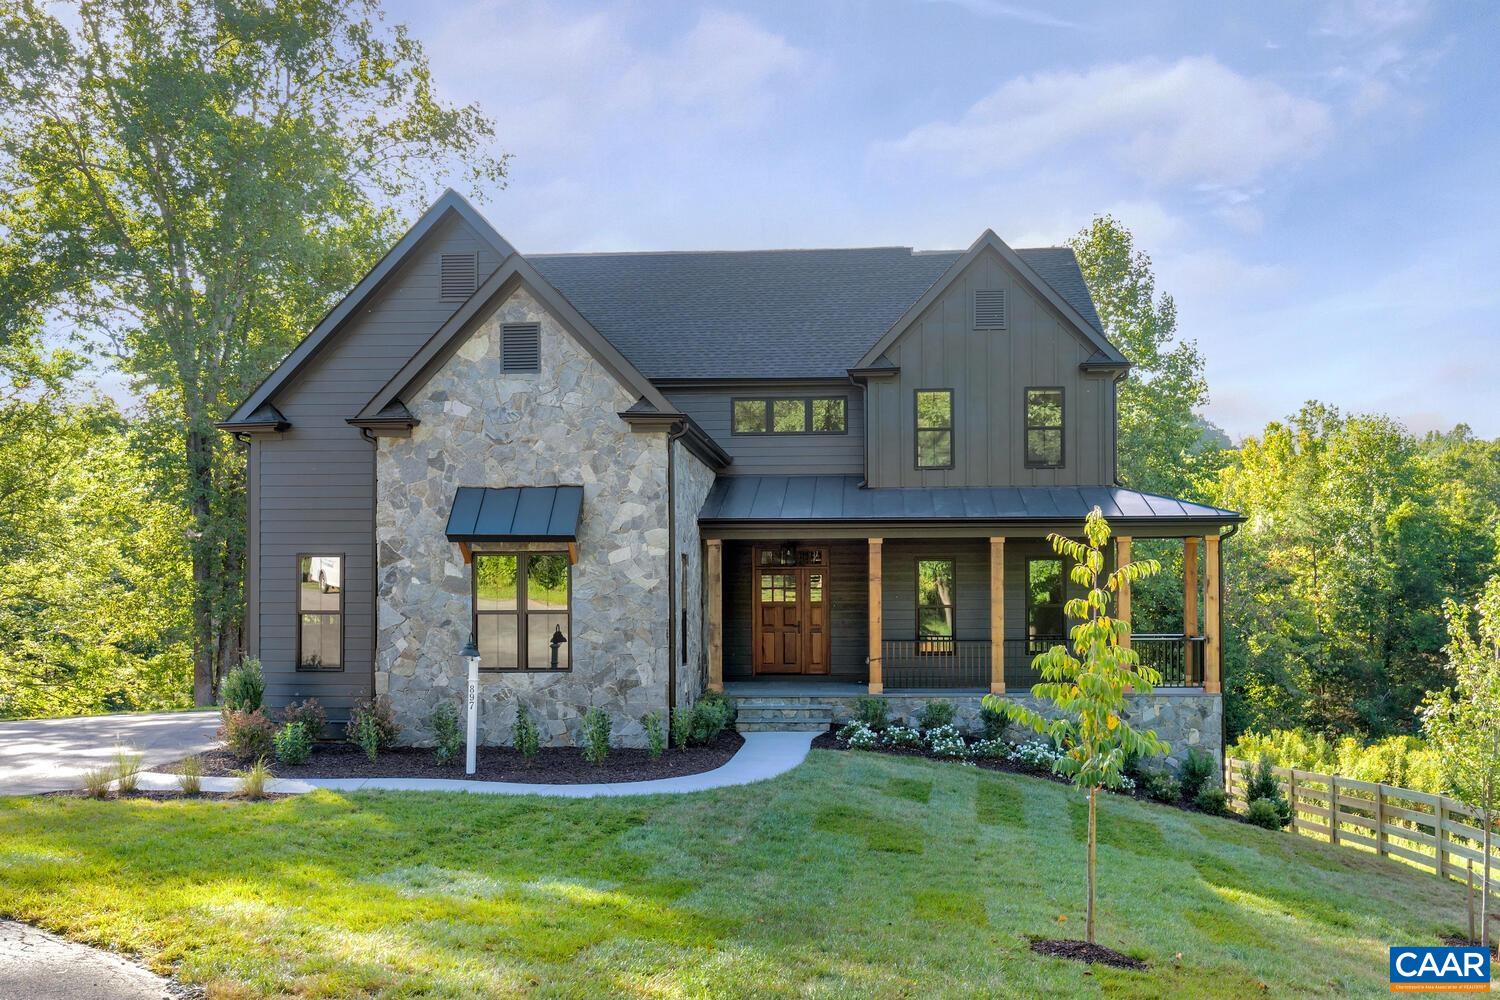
point(854, 875)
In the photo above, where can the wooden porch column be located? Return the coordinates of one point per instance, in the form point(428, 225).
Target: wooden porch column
point(1122, 599)
point(1211, 614)
point(1190, 587)
point(876, 623)
point(997, 615)
point(715, 598)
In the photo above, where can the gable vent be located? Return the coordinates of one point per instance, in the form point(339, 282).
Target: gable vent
point(458, 277)
point(521, 347)
point(989, 309)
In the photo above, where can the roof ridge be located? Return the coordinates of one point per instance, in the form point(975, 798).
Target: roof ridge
point(686, 253)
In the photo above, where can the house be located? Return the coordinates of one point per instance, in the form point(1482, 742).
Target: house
point(793, 475)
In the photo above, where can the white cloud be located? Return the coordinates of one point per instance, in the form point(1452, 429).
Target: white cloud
point(1192, 121)
point(1010, 12)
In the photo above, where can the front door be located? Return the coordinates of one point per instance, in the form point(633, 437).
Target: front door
point(790, 617)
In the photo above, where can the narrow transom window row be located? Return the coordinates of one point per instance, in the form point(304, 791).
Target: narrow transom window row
point(320, 612)
point(520, 347)
point(807, 415)
point(934, 428)
point(1044, 428)
point(523, 603)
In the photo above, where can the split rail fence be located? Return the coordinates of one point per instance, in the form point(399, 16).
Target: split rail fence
point(1432, 832)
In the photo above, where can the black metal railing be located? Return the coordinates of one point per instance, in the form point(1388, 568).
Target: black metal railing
point(935, 663)
point(1178, 658)
point(1020, 675)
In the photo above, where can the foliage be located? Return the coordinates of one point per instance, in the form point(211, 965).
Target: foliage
point(596, 732)
point(1089, 689)
point(309, 713)
point(859, 736)
point(1162, 786)
point(447, 734)
point(372, 726)
point(1197, 770)
point(903, 737)
point(1264, 787)
point(190, 777)
point(96, 781)
point(1404, 761)
point(873, 710)
point(127, 767)
point(936, 713)
point(1265, 813)
point(293, 743)
point(525, 736)
point(656, 737)
point(1212, 799)
point(682, 726)
point(247, 734)
point(946, 741)
point(992, 722)
point(243, 688)
point(712, 714)
point(254, 779)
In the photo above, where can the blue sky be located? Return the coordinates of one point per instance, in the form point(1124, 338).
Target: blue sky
point(1317, 183)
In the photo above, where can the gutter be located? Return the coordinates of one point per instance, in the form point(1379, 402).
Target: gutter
point(674, 432)
point(369, 435)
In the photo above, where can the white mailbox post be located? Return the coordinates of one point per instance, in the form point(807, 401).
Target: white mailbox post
point(471, 654)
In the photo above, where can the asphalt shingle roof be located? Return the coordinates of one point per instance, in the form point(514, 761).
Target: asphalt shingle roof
point(764, 313)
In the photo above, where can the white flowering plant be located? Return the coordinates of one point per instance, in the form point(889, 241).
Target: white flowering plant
point(904, 737)
point(858, 736)
point(947, 741)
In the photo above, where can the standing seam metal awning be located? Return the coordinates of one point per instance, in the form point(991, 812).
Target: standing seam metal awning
point(515, 514)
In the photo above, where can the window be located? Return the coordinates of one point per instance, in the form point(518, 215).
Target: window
point(934, 428)
point(520, 347)
point(1045, 597)
point(935, 598)
point(522, 603)
point(320, 612)
point(1044, 428)
point(815, 415)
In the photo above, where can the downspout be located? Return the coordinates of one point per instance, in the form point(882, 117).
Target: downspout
point(864, 451)
point(369, 436)
point(677, 430)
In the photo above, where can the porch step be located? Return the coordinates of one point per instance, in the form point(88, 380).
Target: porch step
point(763, 715)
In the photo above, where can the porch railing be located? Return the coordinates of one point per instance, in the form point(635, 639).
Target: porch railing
point(935, 663)
point(1178, 658)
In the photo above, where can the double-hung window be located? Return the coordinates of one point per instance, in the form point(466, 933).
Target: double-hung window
point(934, 428)
point(522, 610)
point(1044, 428)
point(320, 612)
point(1045, 599)
point(936, 594)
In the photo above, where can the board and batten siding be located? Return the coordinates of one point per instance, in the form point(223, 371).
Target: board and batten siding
point(989, 372)
point(313, 487)
point(847, 612)
point(779, 454)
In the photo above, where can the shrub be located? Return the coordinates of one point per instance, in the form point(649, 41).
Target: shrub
point(190, 777)
point(293, 744)
point(859, 736)
point(253, 780)
point(873, 710)
point(525, 737)
point(595, 735)
point(947, 741)
point(243, 688)
point(993, 722)
point(1407, 761)
point(1211, 799)
point(309, 713)
point(372, 726)
point(992, 749)
point(713, 713)
point(448, 738)
point(656, 739)
point(937, 714)
point(1036, 753)
point(682, 727)
point(248, 735)
point(127, 771)
point(1162, 787)
point(903, 736)
point(1264, 812)
point(1196, 770)
point(1263, 785)
point(96, 781)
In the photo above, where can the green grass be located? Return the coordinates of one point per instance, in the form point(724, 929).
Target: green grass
point(855, 875)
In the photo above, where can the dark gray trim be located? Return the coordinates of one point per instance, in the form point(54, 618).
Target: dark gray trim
point(917, 429)
point(807, 418)
point(1026, 428)
point(877, 372)
point(297, 612)
point(522, 612)
point(897, 529)
point(252, 550)
point(265, 419)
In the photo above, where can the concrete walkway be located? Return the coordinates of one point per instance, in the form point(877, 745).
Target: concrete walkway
point(41, 966)
point(764, 755)
point(46, 755)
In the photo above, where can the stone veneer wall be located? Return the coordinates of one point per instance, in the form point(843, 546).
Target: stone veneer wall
point(482, 427)
point(693, 480)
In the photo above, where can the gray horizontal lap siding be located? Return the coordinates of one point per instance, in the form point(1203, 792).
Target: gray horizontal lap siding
point(315, 483)
point(779, 454)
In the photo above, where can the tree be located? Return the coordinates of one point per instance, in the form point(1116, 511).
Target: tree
point(190, 183)
point(1164, 447)
point(1463, 722)
point(1087, 684)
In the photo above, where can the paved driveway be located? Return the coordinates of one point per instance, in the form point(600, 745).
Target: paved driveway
point(45, 755)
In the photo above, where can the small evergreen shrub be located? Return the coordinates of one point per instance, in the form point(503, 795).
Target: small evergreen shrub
point(1264, 812)
point(1162, 787)
point(525, 736)
point(1211, 799)
point(682, 727)
point(253, 780)
point(309, 713)
point(448, 738)
point(365, 734)
point(937, 714)
point(372, 726)
point(96, 781)
point(873, 710)
point(596, 729)
point(293, 744)
point(993, 722)
point(713, 713)
point(1196, 771)
point(1263, 785)
point(190, 777)
point(248, 735)
point(243, 688)
point(656, 739)
point(127, 771)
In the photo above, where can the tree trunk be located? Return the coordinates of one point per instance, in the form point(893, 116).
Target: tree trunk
point(1088, 923)
point(200, 489)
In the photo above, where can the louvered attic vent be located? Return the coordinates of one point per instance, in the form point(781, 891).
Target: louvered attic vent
point(989, 309)
point(458, 276)
point(521, 347)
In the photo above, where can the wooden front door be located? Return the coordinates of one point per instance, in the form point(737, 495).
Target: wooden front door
point(790, 617)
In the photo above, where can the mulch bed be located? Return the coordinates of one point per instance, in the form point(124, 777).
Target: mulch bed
point(160, 795)
point(1082, 951)
point(1457, 941)
point(552, 765)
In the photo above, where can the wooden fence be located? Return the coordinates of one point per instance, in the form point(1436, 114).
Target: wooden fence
point(1433, 832)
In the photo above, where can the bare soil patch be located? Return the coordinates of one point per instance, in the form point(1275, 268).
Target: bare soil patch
point(1082, 951)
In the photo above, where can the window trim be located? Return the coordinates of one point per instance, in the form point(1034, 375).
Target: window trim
point(916, 567)
point(807, 415)
point(523, 610)
point(1030, 604)
point(297, 611)
point(917, 429)
point(1027, 428)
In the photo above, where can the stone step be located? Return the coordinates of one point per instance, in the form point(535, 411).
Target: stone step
point(766, 715)
point(780, 726)
point(800, 712)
